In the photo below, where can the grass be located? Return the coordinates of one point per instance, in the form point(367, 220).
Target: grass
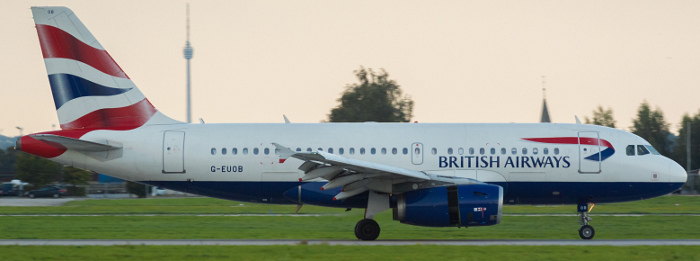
point(324, 252)
point(660, 205)
point(337, 224)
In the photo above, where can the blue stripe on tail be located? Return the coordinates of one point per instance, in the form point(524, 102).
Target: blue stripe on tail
point(66, 87)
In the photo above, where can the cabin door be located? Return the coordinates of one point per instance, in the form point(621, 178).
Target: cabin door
point(173, 152)
point(589, 159)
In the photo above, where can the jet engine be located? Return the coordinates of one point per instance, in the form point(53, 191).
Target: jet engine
point(451, 206)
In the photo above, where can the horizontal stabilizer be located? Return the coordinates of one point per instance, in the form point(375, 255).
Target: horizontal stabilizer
point(75, 144)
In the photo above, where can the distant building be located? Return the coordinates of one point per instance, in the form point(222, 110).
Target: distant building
point(545, 112)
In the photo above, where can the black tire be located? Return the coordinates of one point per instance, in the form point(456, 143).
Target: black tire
point(367, 229)
point(56, 195)
point(586, 232)
point(31, 195)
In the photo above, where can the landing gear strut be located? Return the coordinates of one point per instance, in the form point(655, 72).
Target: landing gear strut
point(586, 231)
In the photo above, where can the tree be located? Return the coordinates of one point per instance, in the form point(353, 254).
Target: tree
point(679, 150)
point(375, 98)
point(651, 126)
point(7, 160)
point(602, 117)
point(76, 176)
point(36, 170)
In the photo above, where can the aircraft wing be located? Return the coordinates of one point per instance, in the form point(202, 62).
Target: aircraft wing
point(355, 176)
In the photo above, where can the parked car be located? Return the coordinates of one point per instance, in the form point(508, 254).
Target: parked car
point(48, 191)
point(10, 189)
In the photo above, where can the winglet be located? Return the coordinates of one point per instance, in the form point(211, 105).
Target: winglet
point(285, 119)
point(285, 152)
point(577, 120)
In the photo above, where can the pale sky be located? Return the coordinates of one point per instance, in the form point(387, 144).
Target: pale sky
point(460, 61)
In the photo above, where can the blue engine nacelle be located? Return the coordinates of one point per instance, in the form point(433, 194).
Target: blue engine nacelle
point(451, 206)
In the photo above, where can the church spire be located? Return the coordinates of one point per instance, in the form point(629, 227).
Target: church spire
point(545, 111)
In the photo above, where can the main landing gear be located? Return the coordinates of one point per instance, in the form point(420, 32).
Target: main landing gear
point(586, 231)
point(368, 229)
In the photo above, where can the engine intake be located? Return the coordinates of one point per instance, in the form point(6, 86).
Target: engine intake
point(451, 206)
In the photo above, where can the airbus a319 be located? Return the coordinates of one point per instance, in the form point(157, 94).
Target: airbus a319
point(437, 175)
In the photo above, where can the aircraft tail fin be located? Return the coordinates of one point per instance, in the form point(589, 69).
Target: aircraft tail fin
point(89, 88)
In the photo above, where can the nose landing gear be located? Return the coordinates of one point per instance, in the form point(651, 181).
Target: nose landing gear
point(586, 231)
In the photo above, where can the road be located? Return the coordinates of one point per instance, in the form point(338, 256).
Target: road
point(233, 242)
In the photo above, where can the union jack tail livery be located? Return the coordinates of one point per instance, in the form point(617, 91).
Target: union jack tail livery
point(89, 89)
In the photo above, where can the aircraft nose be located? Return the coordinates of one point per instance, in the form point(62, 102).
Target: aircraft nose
point(676, 173)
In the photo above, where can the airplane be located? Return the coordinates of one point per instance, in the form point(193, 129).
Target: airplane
point(434, 175)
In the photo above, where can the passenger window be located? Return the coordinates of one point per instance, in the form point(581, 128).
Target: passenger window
point(362, 151)
point(277, 151)
point(482, 151)
point(524, 151)
point(223, 151)
point(405, 151)
point(256, 151)
point(514, 151)
point(245, 151)
point(341, 151)
point(234, 151)
point(319, 149)
point(534, 151)
point(630, 150)
point(471, 151)
point(373, 151)
point(434, 151)
point(330, 150)
point(449, 151)
point(394, 151)
point(641, 150)
point(307, 150)
point(556, 151)
point(351, 151)
point(213, 151)
point(298, 149)
point(503, 151)
point(493, 151)
point(545, 151)
point(383, 151)
point(460, 151)
point(267, 151)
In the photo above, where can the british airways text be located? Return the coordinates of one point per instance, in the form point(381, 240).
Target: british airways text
point(506, 162)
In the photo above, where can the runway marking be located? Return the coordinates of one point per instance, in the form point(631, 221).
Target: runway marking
point(318, 215)
point(235, 242)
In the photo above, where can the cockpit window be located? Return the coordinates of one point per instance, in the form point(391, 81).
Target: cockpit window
point(641, 150)
point(630, 150)
point(652, 150)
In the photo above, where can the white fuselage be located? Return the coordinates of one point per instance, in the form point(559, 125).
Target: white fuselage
point(529, 171)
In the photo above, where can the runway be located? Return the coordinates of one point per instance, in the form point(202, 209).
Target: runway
point(233, 242)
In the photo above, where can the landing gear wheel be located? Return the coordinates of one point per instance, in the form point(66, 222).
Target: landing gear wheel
point(586, 232)
point(367, 229)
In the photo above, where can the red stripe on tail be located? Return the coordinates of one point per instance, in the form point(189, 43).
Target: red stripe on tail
point(55, 43)
point(129, 117)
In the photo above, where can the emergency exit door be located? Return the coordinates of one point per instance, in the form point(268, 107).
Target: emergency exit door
point(417, 153)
